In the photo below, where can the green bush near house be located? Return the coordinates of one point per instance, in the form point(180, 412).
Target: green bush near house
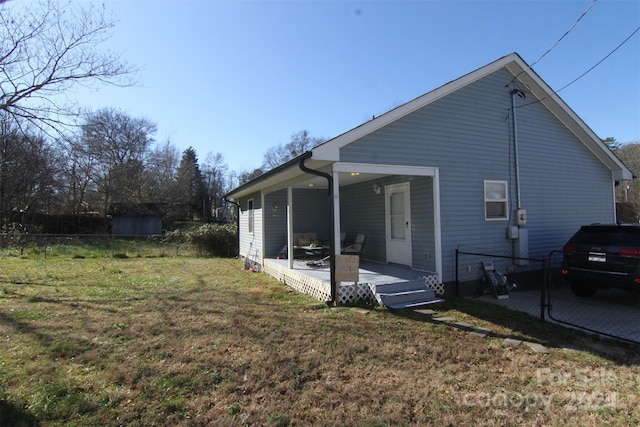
point(218, 240)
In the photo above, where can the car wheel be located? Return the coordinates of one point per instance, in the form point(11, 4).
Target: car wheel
point(583, 290)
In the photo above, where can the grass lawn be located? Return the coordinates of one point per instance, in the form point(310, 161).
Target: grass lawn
point(194, 341)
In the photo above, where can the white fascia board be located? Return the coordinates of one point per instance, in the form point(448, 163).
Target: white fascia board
point(383, 169)
point(280, 180)
point(330, 150)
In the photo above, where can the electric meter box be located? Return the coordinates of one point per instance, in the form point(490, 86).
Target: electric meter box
point(521, 216)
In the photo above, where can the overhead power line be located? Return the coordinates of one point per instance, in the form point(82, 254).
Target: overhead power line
point(559, 40)
point(565, 34)
point(599, 62)
point(589, 70)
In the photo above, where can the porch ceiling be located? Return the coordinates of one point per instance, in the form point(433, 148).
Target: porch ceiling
point(290, 175)
point(349, 174)
point(346, 178)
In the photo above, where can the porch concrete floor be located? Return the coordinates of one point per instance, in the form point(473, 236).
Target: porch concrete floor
point(369, 272)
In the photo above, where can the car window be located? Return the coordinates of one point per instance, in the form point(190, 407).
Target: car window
point(608, 236)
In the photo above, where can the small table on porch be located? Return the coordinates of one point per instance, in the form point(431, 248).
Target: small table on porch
point(316, 252)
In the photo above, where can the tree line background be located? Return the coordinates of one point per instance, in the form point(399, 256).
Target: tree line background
point(113, 159)
point(61, 165)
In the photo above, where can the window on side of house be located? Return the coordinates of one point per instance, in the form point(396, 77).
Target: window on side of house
point(251, 216)
point(495, 200)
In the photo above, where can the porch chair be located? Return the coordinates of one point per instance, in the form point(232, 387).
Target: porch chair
point(343, 238)
point(356, 247)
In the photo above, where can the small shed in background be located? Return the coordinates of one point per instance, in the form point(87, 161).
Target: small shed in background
point(135, 219)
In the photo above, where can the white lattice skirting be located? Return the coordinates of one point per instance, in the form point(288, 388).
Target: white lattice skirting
point(298, 281)
point(433, 281)
point(348, 292)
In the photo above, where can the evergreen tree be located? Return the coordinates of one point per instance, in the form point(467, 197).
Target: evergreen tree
point(192, 190)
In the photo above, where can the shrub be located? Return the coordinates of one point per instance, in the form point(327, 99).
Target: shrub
point(219, 240)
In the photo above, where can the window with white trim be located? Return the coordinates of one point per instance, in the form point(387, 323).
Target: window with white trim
point(250, 215)
point(495, 200)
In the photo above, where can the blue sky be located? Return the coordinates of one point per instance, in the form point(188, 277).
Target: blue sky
point(238, 77)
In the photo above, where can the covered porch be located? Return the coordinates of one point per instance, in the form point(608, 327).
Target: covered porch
point(329, 204)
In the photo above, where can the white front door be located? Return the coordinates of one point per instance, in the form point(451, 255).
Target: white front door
point(398, 223)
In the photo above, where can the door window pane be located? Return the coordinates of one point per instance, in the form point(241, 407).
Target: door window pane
point(396, 206)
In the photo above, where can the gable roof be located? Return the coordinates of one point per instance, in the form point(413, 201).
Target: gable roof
point(135, 209)
point(329, 151)
point(527, 77)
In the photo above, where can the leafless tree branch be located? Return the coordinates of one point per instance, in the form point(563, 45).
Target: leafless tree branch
point(45, 50)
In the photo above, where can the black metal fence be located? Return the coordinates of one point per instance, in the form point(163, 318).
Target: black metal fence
point(477, 271)
point(90, 245)
point(541, 291)
point(613, 313)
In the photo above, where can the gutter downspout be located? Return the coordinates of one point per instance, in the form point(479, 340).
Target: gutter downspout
point(519, 245)
point(332, 244)
point(515, 92)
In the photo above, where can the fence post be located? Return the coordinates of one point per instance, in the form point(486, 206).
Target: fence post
point(545, 283)
point(457, 279)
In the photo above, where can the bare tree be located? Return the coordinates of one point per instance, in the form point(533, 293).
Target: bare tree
point(162, 163)
point(28, 178)
point(46, 48)
point(300, 142)
point(240, 178)
point(628, 192)
point(117, 145)
point(78, 173)
point(214, 171)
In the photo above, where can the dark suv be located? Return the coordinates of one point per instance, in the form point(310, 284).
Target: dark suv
point(602, 256)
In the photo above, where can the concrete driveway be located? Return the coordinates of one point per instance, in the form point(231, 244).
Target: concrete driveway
point(610, 312)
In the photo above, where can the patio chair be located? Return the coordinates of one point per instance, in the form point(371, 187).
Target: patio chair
point(356, 247)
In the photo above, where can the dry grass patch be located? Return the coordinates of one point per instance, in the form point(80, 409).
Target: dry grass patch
point(193, 341)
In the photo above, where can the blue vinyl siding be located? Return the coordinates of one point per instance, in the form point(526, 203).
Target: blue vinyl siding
point(251, 243)
point(363, 211)
point(312, 212)
point(467, 136)
point(275, 222)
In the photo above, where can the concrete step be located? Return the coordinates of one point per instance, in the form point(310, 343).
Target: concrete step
point(412, 304)
point(412, 295)
point(406, 294)
point(409, 299)
point(408, 285)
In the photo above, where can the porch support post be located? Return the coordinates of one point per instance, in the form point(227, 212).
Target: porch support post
point(335, 232)
point(290, 227)
point(263, 219)
point(332, 249)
